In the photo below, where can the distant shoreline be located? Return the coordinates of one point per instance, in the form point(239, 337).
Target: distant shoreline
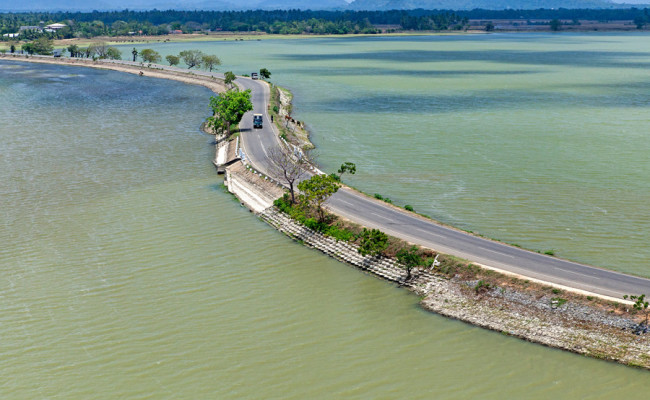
point(477, 27)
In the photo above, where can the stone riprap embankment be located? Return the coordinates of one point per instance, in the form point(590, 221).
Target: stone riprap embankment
point(545, 319)
point(384, 267)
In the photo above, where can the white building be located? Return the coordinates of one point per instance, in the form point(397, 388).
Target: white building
point(55, 27)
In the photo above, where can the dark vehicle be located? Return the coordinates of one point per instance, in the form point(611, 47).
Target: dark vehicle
point(257, 121)
point(253, 75)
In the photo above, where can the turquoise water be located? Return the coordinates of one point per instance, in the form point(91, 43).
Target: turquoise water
point(536, 139)
point(127, 272)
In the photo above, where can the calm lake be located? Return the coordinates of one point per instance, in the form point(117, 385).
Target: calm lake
point(128, 272)
point(541, 140)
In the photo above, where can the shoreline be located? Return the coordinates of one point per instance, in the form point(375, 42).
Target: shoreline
point(212, 84)
point(565, 321)
point(592, 27)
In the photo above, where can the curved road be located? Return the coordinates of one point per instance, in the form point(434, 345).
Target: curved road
point(413, 228)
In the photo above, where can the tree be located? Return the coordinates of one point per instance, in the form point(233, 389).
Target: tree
point(348, 167)
point(373, 242)
point(410, 259)
point(73, 49)
point(316, 190)
point(210, 61)
point(489, 27)
point(150, 56)
point(287, 168)
point(42, 45)
point(112, 53)
point(135, 54)
point(640, 305)
point(229, 78)
point(265, 73)
point(12, 49)
point(192, 58)
point(229, 108)
point(173, 60)
point(99, 49)
point(555, 24)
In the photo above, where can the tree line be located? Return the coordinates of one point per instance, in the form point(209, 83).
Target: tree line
point(156, 22)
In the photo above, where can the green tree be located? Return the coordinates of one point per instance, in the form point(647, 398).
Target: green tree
point(555, 24)
point(112, 53)
point(192, 58)
point(265, 73)
point(641, 305)
point(73, 49)
point(173, 60)
point(316, 190)
point(210, 61)
point(228, 109)
point(348, 167)
point(229, 78)
point(489, 27)
point(373, 242)
point(12, 49)
point(410, 259)
point(42, 45)
point(135, 54)
point(150, 56)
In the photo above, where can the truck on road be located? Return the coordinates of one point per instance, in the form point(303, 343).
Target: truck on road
point(257, 121)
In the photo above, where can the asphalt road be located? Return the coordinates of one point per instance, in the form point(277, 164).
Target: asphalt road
point(413, 228)
point(373, 213)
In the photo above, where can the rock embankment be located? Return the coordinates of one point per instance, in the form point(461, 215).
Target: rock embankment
point(545, 319)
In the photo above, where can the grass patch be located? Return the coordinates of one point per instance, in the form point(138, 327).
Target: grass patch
point(558, 301)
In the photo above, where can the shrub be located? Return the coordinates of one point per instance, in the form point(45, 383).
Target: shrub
point(482, 287)
point(378, 196)
point(408, 208)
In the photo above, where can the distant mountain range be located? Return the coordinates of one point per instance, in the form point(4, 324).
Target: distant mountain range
point(89, 5)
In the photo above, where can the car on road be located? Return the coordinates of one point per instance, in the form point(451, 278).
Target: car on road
point(257, 121)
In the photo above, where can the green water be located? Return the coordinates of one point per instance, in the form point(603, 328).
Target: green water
point(126, 272)
point(541, 140)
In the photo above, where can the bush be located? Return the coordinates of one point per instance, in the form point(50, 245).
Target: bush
point(378, 196)
point(408, 208)
point(482, 287)
point(298, 214)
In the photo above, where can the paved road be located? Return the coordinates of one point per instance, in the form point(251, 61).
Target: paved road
point(408, 226)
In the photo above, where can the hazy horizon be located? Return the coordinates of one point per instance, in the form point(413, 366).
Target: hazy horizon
point(89, 5)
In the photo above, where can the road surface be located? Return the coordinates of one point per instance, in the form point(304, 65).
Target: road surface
point(413, 228)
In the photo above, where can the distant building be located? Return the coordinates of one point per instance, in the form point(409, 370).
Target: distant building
point(176, 32)
point(55, 27)
point(30, 28)
point(11, 35)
